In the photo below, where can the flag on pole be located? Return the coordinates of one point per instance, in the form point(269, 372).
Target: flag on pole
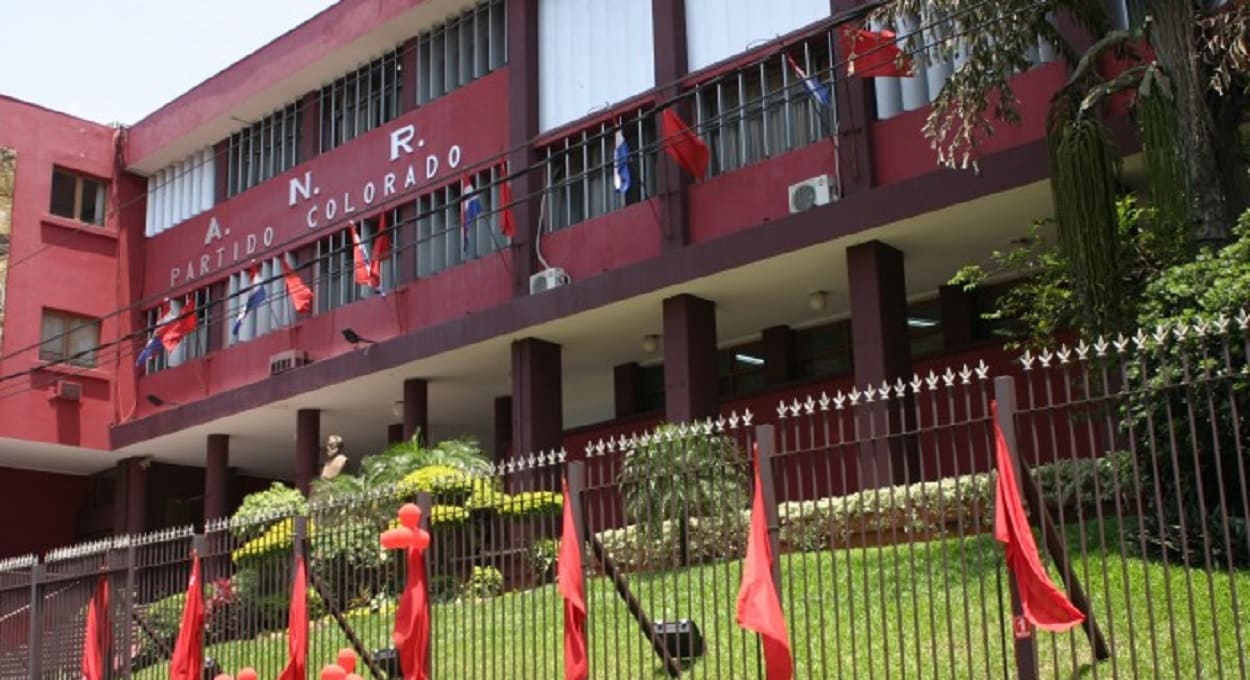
point(183, 325)
point(188, 659)
point(507, 221)
point(818, 90)
point(873, 54)
point(253, 301)
point(155, 342)
point(297, 626)
point(470, 208)
point(759, 607)
point(573, 589)
point(683, 145)
point(1044, 605)
point(98, 637)
point(301, 296)
point(621, 178)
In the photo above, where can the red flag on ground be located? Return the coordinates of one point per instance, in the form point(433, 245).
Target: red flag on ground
point(507, 222)
point(363, 263)
point(685, 147)
point(184, 325)
point(573, 590)
point(99, 634)
point(873, 54)
point(301, 296)
point(1044, 605)
point(297, 626)
point(759, 607)
point(188, 660)
point(412, 620)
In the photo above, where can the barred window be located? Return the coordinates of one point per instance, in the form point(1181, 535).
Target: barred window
point(194, 345)
point(360, 100)
point(443, 239)
point(581, 168)
point(334, 281)
point(763, 109)
point(265, 149)
point(460, 50)
point(273, 312)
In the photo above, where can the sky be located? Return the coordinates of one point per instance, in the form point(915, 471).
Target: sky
point(119, 60)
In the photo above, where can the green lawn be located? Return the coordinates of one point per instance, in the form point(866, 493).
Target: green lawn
point(924, 610)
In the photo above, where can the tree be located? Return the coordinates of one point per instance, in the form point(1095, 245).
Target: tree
point(1191, 98)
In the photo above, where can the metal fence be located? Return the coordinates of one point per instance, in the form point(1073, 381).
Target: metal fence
point(880, 504)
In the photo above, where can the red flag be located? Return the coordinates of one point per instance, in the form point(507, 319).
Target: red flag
point(1045, 606)
point(685, 147)
point(301, 296)
point(363, 264)
point(98, 638)
point(873, 54)
point(184, 325)
point(759, 607)
point(188, 661)
point(507, 221)
point(573, 590)
point(412, 620)
point(297, 627)
point(381, 251)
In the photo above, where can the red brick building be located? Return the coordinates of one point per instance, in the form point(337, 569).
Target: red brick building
point(812, 256)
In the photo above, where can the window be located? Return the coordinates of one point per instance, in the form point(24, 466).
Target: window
point(741, 368)
point(824, 350)
point(196, 344)
point(360, 100)
point(77, 197)
point(764, 110)
point(441, 242)
point(69, 338)
point(462, 49)
point(580, 170)
point(181, 190)
point(334, 281)
point(652, 389)
point(924, 327)
point(265, 149)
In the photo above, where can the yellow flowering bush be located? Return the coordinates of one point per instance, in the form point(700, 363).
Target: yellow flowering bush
point(278, 538)
point(436, 479)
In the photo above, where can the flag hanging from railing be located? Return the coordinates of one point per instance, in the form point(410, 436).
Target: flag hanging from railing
point(297, 626)
point(507, 221)
point(188, 660)
point(1044, 605)
point(182, 326)
point(759, 607)
point(296, 289)
point(573, 590)
point(98, 637)
point(254, 298)
point(873, 54)
point(685, 147)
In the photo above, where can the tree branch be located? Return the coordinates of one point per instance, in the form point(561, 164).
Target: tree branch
point(1129, 78)
point(1087, 60)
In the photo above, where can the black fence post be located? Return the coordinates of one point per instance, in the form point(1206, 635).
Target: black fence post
point(128, 629)
point(765, 440)
point(36, 621)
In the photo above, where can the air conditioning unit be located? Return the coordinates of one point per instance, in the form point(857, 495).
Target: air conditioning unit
point(285, 361)
point(67, 390)
point(545, 280)
point(810, 193)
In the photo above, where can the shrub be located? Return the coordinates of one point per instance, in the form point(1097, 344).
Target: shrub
point(448, 483)
point(265, 602)
point(529, 503)
point(542, 558)
point(484, 582)
point(261, 509)
point(276, 541)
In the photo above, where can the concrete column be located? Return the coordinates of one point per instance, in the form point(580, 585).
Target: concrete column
point(503, 427)
point(394, 433)
point(882, 352)
point(537, 397)
point(672, 184)
point(691, 382)
point(136, 471)
point(780, 356)
point(216, 476)
point(307, 447)
point(958, 316)
point(522, 25)
point(416, 409)
point(627, 389)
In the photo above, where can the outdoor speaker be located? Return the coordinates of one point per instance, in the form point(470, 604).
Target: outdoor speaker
point(681, 638)
point(387, 661)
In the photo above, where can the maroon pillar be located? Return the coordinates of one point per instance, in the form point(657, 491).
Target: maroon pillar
point(527, 173)
point(672, 185)
point(627, 389)
point(408, 74)
point(856, 103)
point(309, 126)
point(416, 409)
point(307, 447)
point(780, 357)
point(882, 353)
point(221, 170)
point(503, 427)
point(394, 433)
point(216, 476)
point(537, 397)
point(136, 495)
point(691, 382)
point(958, 316)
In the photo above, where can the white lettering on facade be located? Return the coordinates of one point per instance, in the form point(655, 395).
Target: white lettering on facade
point(251, 244)
point(453, 156)
point(388, 184)
point(298, 190)
point(402, 139)
point(369, 193)
point(332, 209)
point(267, 236)
point(214, 232)
point(411, 180)
point(311, 217)
point(204, 265)
point(431, 166)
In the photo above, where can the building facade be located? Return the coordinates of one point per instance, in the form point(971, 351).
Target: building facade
point(526, 298)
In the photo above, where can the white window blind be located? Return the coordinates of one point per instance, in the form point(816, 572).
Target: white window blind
point(719, 29)
point(181, 191)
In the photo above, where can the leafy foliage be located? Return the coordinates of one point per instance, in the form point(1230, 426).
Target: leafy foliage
point(482, 583)
point(260, 509)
